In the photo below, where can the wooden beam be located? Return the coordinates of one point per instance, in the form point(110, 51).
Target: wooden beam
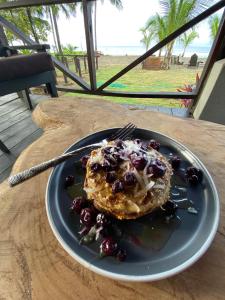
point(89, 42)
point(165, 95)
point(29, 3)
point(165, 41)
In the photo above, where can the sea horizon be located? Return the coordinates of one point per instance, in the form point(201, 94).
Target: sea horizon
point(201, 51)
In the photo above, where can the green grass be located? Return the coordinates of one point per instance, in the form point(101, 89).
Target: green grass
point(138, 80)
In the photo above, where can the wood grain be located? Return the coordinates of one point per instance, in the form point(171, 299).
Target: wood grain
point(32, 263)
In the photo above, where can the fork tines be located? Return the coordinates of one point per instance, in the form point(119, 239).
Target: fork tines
point(123, 132)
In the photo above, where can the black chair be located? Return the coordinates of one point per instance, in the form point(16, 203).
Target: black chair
point(18, 73)
point(21, 72)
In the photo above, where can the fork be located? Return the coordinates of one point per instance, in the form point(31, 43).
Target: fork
point(122, 134)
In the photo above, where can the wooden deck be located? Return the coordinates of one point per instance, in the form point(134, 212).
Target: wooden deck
point(17, 130)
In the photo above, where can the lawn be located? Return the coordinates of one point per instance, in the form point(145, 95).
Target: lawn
point(138, 80)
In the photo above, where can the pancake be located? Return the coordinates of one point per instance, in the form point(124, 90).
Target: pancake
point(127, 179)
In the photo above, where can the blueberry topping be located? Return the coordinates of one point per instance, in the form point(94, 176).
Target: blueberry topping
point(193, 179)
point(102, 220)
point(96, 167)
point(87, 216)
point(157, 168)
point(119, 144)
point(170, 208)
point(118, 186)
point(84, 160)
point(78, 204)
point(106, 166)
point(175, 162)
point(154, 144)
point(121, 255)
point(129, 179)
point(69, 180)
point(107, 150)
point(108, 247)
point(193, 175)
point(139, 163)
point(110, 177)
point(137, 141)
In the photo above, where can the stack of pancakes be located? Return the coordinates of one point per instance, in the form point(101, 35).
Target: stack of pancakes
point(149, 190)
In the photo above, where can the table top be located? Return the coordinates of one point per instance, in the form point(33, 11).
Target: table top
point(32, 263)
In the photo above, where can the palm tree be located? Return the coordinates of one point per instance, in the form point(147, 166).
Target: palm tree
point(214, 23)
point(175, 13)
point(187, 39)
point(148, 37)
point(53, 13)
point(117, 3)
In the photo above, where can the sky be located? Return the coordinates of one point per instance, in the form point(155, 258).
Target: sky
point(118, 28)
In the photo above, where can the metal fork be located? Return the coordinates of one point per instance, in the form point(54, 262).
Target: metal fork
point(122, 134)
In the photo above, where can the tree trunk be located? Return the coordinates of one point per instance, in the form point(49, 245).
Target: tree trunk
point(57, 33)
point(160, 52)
point(28, 11)
point(52, 27)
point(169, 55)
point(184, 51)
point(95, 25)
point(58, 41)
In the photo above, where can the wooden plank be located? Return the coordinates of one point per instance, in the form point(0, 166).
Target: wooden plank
point(166, 95)
point(5, 174)
point(13, 121)
point(7, 161)
point(12, 114)
point(5, 109)
point(8, 98)
point(180, 112)
point(17, 132)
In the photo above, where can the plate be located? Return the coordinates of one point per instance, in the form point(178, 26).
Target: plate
point(156, 249)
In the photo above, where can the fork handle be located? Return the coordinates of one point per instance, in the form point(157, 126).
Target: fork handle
point(29, 173)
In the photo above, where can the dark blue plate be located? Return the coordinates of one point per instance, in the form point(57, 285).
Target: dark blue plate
point(156, 248)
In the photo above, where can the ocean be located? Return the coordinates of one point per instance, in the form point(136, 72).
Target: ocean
point(201, 51)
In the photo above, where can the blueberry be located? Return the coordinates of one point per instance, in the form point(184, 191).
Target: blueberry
point(175, 162)
point(154, 144)
point(102, 220)
point(108, 247)
point(193, 175)
point(110, 177)
point(139, 163)
point(121, 255)
point(137, 141)
point(157, 168)
point(106, 166)
point(107, 150)
point(193, 179)
point(119, 144)
point(78, 204)
point(118, 186)
point(129, 179)
point(87, 216)
point(96, 167)
point(84, 160)
point(170, 208)
point(69, 180)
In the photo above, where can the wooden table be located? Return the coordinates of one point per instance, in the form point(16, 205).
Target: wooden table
point(32, 263)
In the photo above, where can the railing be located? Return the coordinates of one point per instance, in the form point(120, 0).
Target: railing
point(217, 52)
